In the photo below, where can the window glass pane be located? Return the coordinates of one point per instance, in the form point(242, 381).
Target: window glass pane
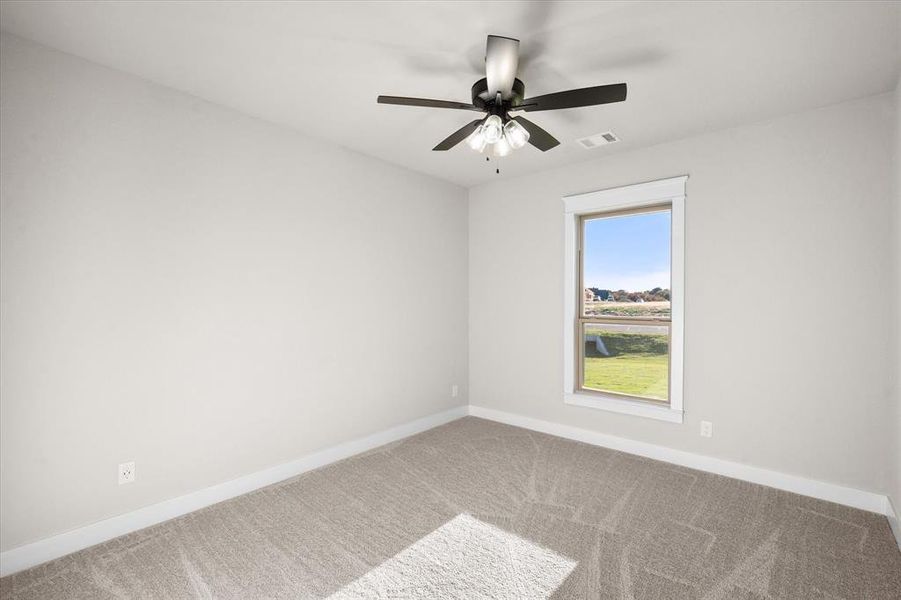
point(626, 265)
point(627, 359)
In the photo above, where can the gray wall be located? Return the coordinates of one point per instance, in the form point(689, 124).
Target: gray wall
point(788, 348)
point(201, 292)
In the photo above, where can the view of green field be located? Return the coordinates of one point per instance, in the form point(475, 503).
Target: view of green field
point(627, 309)
point(638, 363)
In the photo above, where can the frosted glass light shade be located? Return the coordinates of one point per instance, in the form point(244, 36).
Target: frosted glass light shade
point(476, 139)
point(494, 129)
point(516, 134)
point(501, 147)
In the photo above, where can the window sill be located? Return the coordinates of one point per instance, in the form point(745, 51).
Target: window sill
point(627, 407)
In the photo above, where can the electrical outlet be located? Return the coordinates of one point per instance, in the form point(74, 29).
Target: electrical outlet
point(706, 429)
point(126, 472)
point(454, 391)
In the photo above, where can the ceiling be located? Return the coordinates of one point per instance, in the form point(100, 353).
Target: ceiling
point(318, 67)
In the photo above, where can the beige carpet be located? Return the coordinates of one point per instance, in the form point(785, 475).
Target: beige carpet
point(475, 509)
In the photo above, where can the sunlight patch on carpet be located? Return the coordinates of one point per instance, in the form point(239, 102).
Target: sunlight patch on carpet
point(464, 558)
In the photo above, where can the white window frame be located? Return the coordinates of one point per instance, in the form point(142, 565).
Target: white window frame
point(663, 191)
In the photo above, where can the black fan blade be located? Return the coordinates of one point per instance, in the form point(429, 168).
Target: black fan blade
point(403, 101)
point(601, 94)
point(538, 137)
point(458, 136)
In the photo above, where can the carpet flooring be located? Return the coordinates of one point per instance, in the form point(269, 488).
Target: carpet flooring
point(476, 509)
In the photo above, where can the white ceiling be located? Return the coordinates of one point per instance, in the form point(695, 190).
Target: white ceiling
point(318, 67)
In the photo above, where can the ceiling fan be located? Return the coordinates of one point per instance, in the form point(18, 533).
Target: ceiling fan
point(499, 93)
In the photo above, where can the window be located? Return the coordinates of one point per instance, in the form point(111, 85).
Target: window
point(623, 327)
point(624, 320)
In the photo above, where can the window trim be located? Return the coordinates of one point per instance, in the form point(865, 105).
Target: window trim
point(669, 191)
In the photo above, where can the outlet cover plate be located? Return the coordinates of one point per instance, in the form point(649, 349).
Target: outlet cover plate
point(126, 473)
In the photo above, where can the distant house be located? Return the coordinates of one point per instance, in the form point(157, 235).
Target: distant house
point(590, 295)
point(600, 295)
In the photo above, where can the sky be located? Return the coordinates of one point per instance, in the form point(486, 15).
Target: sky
point(629, 253)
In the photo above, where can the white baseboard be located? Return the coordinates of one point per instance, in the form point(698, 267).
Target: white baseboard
point(806, 487)
point(41, 551)
point(893, 520)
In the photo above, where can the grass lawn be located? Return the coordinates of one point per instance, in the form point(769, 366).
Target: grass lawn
point(638, 364)
point(637, 374)
point(628, 309)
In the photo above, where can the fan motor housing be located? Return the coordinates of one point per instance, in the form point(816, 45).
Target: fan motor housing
point(480, 95)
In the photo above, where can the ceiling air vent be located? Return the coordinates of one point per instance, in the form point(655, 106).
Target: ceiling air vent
point(600, 139)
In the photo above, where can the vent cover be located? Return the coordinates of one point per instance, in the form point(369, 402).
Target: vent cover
point(600, 139)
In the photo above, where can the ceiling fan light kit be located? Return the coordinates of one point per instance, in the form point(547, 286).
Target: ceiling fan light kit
point(500, 93)
point(502, 139)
